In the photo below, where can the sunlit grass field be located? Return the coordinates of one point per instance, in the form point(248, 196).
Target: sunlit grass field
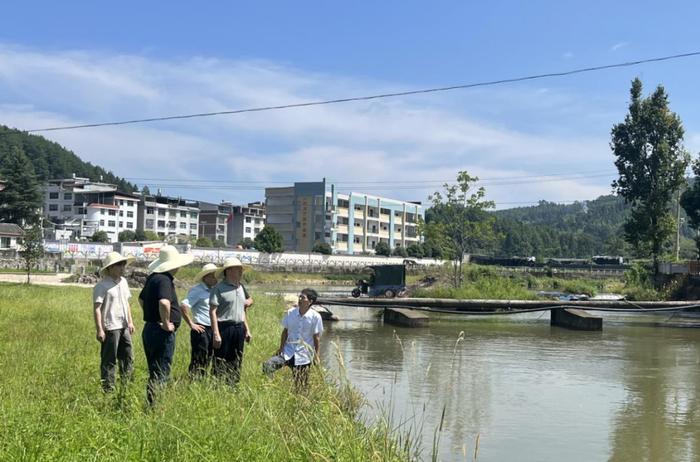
point(52, 407)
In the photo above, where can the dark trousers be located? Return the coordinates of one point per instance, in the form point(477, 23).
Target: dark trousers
point(228, 357)
point(116, 349)
point(159, 347)
point(202, 351)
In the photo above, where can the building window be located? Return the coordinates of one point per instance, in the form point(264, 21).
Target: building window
point(257, 221)
point(172, 214)
point(112, 223)
point(356, 240)
point(193, 225)
point(257, 230)
point(183, 214)
point(183, 225)
point(247, 230)
point(130, 203)
point(112, 213)
point(53, 195)
point(129, 224)
point(247, 219)
point(121, 202)
point(102, 211)
point(67, 207)
point(130, 214)
point(150, 223)
point(161, 223)
point(121, 213)
point(193, 214)
point(102, 222)
point(53, 207)
point(67, 196)
point(161, 213)
point(385, 211)
point(150, 211)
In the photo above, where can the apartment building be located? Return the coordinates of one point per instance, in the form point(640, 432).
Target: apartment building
point(214, 221)
point(85, 207)
point(246, 221)
point(168, 216)
point(311, 212)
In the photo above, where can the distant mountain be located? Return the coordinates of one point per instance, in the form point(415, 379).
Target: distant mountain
point(578, 230)
point(52, 161)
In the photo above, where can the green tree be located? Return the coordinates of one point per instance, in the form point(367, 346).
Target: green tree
point(415, 251)
point(460, 222)
point(651, 162)
point(151, 236)
point(269, 240)
point(32, 248)
point(20, 201)
point(690, 201)
point(204, 242)
point(219, 243)
point(399, 252)
point(382, 249)
point(127, 236)
point(100, 236)
point(322, 247)
point(247, 243)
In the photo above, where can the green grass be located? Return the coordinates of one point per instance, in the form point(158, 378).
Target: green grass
point(52, 407)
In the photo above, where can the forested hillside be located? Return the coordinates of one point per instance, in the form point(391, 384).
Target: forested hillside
point(51, 160)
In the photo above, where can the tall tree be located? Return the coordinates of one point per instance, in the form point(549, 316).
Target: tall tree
point(32, 248)
point(460, 222)
point(651, 162)
point(20, 201)
point(690, 201)
point(269, 240)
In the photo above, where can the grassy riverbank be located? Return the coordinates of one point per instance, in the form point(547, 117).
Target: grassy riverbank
point(481, 282)
point(52, 407)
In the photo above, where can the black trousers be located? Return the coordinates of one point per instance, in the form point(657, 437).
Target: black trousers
point(202, 351)
point(229, 357)
point(159, 347)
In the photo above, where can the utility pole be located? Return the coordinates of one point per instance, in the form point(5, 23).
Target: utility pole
point(678, 225)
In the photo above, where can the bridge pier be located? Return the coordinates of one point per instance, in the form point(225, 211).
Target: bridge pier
point(405, 317)
point(572, 318)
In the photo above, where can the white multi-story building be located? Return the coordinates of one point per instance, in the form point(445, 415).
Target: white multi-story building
point(309, 213)
point(169, 216)
point(86, 207)
point(246, 222)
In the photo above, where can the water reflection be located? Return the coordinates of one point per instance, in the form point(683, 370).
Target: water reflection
point(532, 392)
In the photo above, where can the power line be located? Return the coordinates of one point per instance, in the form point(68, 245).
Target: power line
point(373, 97)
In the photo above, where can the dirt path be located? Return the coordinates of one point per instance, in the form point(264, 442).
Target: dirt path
point(40, 279)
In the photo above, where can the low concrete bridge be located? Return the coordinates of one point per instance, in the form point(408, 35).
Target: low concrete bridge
point(568, 314)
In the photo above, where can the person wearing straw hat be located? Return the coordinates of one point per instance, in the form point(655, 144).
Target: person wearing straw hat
point(113, 322)
point(195, 310)
point(227, 307)
point(161, 313)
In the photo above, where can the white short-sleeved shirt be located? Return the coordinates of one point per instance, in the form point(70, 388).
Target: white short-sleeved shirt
point(114, 297)
point(300, 334)
point(198, 301)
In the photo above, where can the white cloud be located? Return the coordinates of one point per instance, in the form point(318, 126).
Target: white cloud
point(619, 45)
point(407, 140)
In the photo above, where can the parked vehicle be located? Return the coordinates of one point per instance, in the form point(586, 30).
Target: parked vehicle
point(384, 280)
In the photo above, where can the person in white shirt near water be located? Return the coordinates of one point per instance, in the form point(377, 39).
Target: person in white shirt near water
point(113, 322)
point(195, 311)
point(300, 342)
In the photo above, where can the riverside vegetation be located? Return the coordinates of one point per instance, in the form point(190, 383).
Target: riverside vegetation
point(52, 407)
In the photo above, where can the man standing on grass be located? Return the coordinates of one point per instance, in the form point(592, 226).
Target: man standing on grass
point(300, 344)
point(195, 310)
point(227, 307)
point(161, 313)
point(113, 322)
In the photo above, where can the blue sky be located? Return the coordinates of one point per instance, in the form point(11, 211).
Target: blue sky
point(76, 62)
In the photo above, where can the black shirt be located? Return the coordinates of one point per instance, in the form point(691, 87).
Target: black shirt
point(158, 286)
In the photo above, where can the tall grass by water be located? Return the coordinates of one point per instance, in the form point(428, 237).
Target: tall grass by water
point(52, 406)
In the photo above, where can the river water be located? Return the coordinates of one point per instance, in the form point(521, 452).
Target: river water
point(527, 391)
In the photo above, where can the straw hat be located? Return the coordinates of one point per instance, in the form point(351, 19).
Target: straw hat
point(169, 259)
point(206, 269)
point(112, 259)
point(230, 262)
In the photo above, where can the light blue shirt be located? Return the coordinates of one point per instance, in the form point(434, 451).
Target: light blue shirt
point(198, 301)
point(300, 335)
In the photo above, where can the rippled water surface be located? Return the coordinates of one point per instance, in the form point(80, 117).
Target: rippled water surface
point(530, 392)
